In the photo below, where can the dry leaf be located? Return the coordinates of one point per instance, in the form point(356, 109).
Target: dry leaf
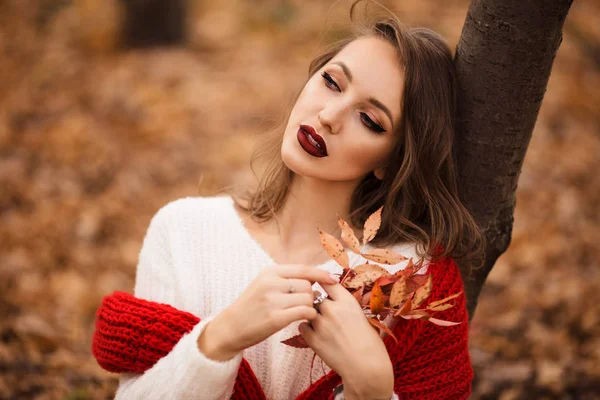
point(443, 323)
point(399, 292)
point(422, 293)
point(415, 281)
point(366, 299)
point(417, 314)
point(358, 294)
point(348, 236)
point(377, 300)
point(438, 302)
point(296, 341)
point(405, 309)
point(384, 256)
point(441, 307)
point(334, 248)
point(366, 274)
point(378, 324)
point(372, 226)
point(386, 280)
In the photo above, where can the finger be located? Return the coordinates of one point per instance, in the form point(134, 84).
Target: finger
point(307, 332)
point(335, 291)
point(309, 273)
point(323, 308)
point(287, 300)
point(299, 285)
point(286, 316)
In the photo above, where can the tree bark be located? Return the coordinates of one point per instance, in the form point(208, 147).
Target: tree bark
point(503, 58)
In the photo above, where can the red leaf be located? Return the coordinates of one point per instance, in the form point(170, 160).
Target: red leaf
point(296, 341)
point(386, 280)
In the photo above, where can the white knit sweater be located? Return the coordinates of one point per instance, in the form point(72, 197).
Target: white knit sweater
point(198, 257)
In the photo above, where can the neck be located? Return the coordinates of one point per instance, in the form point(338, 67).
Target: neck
point(312, 204)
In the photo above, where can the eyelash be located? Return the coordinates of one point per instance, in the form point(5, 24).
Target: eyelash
point(330, 83)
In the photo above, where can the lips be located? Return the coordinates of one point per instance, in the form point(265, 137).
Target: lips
point(311, 141)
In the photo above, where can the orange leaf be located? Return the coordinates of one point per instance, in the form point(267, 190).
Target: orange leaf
point(377, 301)
point(348, 236)
point(366, 274)
point(372, 226)
point(334, 248)
point(438, 302)
point(405, 309)
point(442, 322)
point(376, 323)
point(422, 293)
point(384, 256)
point(399, 292)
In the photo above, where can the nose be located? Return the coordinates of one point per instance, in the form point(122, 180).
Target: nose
point(330, 117)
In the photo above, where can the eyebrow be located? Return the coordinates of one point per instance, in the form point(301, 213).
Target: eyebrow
point(371, 100)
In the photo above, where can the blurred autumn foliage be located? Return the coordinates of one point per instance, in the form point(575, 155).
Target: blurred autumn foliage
point(96, 136)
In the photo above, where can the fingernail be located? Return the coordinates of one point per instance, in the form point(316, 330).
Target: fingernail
point(334, 278)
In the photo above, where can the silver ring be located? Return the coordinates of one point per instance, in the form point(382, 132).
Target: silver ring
point(292, 290)
point(320, 298)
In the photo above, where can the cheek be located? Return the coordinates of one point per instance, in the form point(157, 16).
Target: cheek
point(364, 154)
point(310, 95)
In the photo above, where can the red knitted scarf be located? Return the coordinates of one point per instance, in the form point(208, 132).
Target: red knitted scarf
point(430, 361)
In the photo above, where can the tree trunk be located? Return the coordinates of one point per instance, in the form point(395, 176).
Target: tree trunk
point(503, 58)
point(154, 22)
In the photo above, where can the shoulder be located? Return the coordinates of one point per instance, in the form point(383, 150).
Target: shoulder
point(446, 274)
point(447, 282)
point(190, 208)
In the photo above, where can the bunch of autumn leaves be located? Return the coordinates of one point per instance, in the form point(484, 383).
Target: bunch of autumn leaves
point(380, 293)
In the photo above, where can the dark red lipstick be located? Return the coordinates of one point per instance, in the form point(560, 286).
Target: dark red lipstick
point(311, 141)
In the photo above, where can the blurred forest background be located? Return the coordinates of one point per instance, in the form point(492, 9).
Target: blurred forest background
point(99, 129)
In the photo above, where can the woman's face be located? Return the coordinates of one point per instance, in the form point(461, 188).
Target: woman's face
point(353, 103)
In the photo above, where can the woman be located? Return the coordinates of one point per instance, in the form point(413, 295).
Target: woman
point(373, 126)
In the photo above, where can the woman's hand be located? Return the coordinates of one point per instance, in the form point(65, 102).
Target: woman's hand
point(264, 307)
point(345, 340)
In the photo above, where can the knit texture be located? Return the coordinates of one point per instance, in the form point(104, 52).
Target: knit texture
point(187, 267)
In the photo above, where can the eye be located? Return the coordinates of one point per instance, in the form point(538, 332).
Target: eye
point(329, 82)
point(370, 124)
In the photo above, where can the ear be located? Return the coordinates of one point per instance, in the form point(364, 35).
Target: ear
point(379, 173)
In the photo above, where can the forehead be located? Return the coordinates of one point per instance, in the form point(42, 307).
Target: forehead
point(375, 70)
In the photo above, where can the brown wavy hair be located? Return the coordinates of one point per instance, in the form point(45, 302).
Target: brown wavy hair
point(419, 189)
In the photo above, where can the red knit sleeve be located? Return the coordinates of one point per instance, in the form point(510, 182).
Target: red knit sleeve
point(436, 363)
point(132, 334)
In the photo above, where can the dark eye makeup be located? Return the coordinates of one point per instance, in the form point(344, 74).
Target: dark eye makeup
point(330, 83)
